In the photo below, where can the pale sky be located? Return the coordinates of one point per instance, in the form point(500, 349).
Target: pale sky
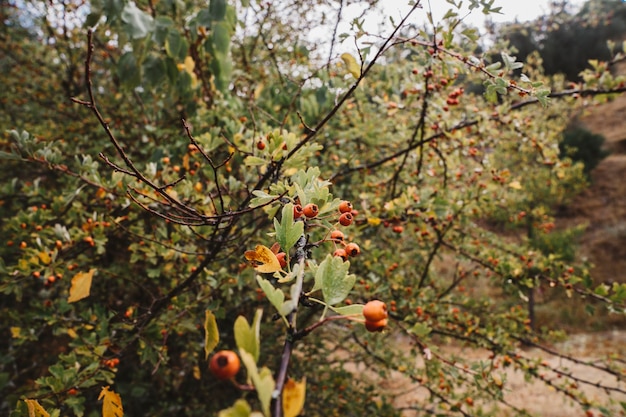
point(522, 10)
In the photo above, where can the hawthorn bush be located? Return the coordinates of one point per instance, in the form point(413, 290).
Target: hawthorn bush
point(175, 178)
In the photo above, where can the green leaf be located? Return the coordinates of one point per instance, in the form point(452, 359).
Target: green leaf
point(241, 408)
point(154, 70)
point(274, 295)
point(254, 161)
point(128, 71)
point(211, 333)
point(334, 279)
point(420, 330)
point(287, 231)
point(246, 336)
point(263, 381)
point(221, 37)
point(173, 44)
point(137, 22)
point(351, 310)
point(217, 9)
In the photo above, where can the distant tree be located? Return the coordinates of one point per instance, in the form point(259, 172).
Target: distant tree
point(565, 40)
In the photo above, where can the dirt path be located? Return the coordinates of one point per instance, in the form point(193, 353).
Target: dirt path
point(536, 397)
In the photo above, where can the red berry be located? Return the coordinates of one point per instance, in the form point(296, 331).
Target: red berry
point(337, 235)
point(310, 210)
point(341, 253)
point(225, 364)
point(352, 249)
point(345, 207)
point(260, 145)
point(297, 211)
point(346, 219)
point(282, 259)
point(398, 229)
point(375, 310)
point(375, 326)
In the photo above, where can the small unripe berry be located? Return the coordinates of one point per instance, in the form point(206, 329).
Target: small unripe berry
point(346, 219)
point(310, 210)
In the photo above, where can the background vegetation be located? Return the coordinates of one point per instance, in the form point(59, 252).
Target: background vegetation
point(151, 146)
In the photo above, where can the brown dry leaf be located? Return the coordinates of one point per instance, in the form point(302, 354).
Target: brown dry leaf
point(293, 397)
point(112, 403)
point(35, 409)
point(81, 285)
point(266, 259)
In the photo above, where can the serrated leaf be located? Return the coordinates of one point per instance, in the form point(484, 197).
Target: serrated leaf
point(137, 22)
point(81, 286)
point(293, 397)
point(246, 336)
point(334, 279)
point(211, 333)
point(35, 409)
point(266, 260)
point(287, 231)
point(111, 403)
point(420, 330)
point(274, 295)
point(262, 380)
point(351, 65)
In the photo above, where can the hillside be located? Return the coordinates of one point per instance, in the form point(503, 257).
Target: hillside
point(603, 205)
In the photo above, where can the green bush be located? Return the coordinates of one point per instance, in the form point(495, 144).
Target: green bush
point(584, 146)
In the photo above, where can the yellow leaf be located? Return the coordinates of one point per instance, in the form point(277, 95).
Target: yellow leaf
point(196, 372)
point(72, 333)
point(44, 258)
point(211, 334)
point(353, 67)
point(293, 397)
point(81, 285)
point(35, 410)
point(111, 404)
point(16, 332)
point(267, 261)
point(515, 185)
point(373, 221)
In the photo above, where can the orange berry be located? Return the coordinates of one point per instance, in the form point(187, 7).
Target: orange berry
point(398, 229)
point(297, 211)
point(310, 210)
point(375, 326)
point(375, 310)
point(23, 245)
point(225, 364)
point(346, 219)
point(58, 244)
point(260, 145)
point(337, 235)
point(345, 207)
point(72, 391)
point(352, 249)
point(341, 253)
